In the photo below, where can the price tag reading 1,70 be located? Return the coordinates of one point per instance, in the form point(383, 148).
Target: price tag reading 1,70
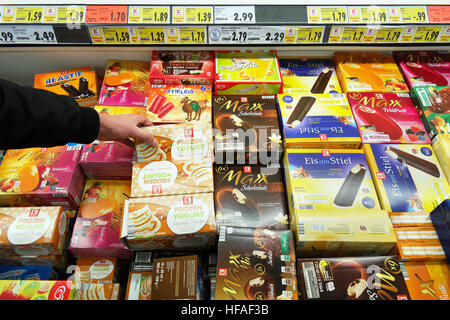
point(107, 14)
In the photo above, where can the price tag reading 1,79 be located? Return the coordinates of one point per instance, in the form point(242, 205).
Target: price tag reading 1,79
point(327, 14)
point(193, 35)
point(234, 14)
point(309, 34)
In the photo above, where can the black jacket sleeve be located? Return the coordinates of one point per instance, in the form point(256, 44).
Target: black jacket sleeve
point(38, 118)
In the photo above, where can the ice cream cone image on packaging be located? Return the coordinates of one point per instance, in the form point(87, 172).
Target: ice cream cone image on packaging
point(146, 287)
point(143, 222)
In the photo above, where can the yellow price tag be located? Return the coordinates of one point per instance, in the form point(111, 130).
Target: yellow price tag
point(192, 34)
point(29, 14)
point(356, 35)
point(408, 14)
point(149, 15)
point(374, 15)
point(72, 14)
point(327, 15)
point(388, 35)
point(427, 34)
point(116, 35)
point(445, 36)
point(309, 35)
point(196, 15)
point(152, 35)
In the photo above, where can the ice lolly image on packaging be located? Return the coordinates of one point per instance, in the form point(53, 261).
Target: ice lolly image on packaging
point(413, 161)
point(349, 189)
point(300, 111)
point(322, 81)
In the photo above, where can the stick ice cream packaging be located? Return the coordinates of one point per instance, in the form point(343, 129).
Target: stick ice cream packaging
point(369, 72)
point(179, 103)
point(352, 278)
point(256, 264)
point(441, 148)
point(424, 68)
point(387, 118)
point(409, 180)
point(97, 227)
point(317, 121)
point(170, 222)
point(78, 83)
point(182, 67)
point(247, 73)
point(35, 290)
point(42, 177)
point(126, 83)
point(309, 75)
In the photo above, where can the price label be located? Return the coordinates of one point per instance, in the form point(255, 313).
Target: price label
point(116, 35)
point(7, 35)
point(193, 35)
point(8, 14)
point(28, 14)
point(369, 14)
point(28, 34)
point(234, 14)
point(327, 15)
point(71, 14)
point(107, 14)
point(439, 14)
point(357, 34)
point(445, 36)
point(413, 14)
point(310, 34)
point(149, 15)
point(194, 15)
point(427, 34)
point(251, 35)
point(151, 35)
point(388, 34)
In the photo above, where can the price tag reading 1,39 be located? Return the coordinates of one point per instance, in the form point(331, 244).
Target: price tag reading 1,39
point(148, 14)
point(234, 14)
point(71, 14)
point(194, 15)
point(195, 35)
point(151, 35)
point(413, 14)
point(327, 14)
point(107, 14)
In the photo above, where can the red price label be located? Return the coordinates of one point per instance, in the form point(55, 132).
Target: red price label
point(107, 14)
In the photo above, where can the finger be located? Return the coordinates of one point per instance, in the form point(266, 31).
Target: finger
point(143, 121)
point(127, 142)
point(141, 135)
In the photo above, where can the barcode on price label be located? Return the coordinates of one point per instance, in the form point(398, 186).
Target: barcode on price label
point(312, 286)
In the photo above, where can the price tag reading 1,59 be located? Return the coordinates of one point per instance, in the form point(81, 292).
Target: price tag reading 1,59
point(28, 14)
point(116, 35)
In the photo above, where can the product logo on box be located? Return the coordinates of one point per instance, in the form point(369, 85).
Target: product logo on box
point(247, 169)
point(223, 272)
point(381, 176)
point(189, 133)
point(244, 99)
point(34, 212)
point(323, 137)
point(326, 153)
point(187, 200)
point(156, 189)
point(402, 297)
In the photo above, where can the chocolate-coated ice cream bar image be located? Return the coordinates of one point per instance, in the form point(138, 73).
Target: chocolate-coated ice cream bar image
point(322, 81)
point(349, 189)
point(71, 90)
point(83, 87)
point(300, 111)
point(413, 161)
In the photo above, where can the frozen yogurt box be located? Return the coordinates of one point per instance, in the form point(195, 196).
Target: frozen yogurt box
point(139, 285)
point(96, 270)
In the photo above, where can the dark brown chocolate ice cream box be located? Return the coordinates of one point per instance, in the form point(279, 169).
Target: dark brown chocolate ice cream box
point(358, 278)
point(256, 264)
point(250, 196)
point(247, 129)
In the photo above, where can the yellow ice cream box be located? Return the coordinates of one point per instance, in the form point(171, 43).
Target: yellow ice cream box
point(441, 148)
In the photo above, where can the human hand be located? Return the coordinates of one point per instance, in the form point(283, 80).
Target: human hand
point(122, 127)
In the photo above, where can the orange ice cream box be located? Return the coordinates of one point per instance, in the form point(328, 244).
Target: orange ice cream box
point(32, 231)
point(420, 251)
point(139, 285)
point(427, 280)
point(96, 270)
point(79, 84)
point(369, 72)
point(95, 291)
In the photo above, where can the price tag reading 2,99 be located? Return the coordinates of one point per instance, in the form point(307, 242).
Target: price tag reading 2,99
point(234, 14)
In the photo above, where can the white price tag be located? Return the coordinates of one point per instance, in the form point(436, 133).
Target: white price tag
point(7, 35)
point(250, 35)
point(234, 14)
point(34, 34)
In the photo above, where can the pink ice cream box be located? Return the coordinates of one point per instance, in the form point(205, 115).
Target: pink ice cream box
point(387, 118)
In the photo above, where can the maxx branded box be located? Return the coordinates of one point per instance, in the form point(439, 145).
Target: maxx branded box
point(409, 181)
point(424, 68)
point(317, 121)
point(97, 227)
point(441, 148)
point(126, 83)
point(309, 75)
point(256, 264)
point(182, 67)
point(247, 73)
point(42, 177)
point(180, 103)
point(96, 270)
point(79, 84)
point(170, 222)
point(387, 118)
point(247, 128)
point(347, 278)
point(369, 72)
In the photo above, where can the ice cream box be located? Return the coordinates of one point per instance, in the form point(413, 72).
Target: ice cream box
point(441, 148)
point(369, 72)
point(60, 261)
point(170, 222)
point(247, 73)
point(352, 278)
point(256, 264)
point(96, 270)
point(27, 273)
point(246, 127)
point(387, 118)
point(409, 181)
point(440, 218)
point(42, 177)
point(139, 285)
point(433, 105)
point(250, 196)
point(35, 290)
point(182, 67)
point(424, 68)
point(95, 291)
point(96, 232)
point(126, 83)
point(178, 278)
point(309, 75)
point(335, 179)
point(32, 231)
point(179, 103)
point(78, 83)
point(419, 251)
point(317, 121)
point(427, 280)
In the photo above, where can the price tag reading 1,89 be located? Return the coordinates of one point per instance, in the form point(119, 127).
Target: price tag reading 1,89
point(148, 14)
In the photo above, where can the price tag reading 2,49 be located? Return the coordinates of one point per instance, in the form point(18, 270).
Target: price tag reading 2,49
point(27, 34)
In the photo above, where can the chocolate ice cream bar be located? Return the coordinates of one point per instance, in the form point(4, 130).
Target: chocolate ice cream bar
point(300, 111)
point(322, 81)
point(71, 90)
point(349, 189)
point(413, 161)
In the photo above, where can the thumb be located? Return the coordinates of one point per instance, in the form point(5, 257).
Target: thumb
point(142, 135)
point(142, 121)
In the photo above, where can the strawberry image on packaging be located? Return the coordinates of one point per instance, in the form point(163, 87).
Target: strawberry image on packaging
point(387, 118)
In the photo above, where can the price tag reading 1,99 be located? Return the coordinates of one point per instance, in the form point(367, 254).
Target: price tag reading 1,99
point(427, 34)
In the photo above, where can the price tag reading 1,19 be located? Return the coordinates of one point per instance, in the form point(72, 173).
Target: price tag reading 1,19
point(148, 14)
point(107, 14)
point(28, 14)
point(116, 35)
point(195, 15)
point(327, 14)
point(309, 34)
point(193, 35)
point(234, 14)
point(150, 35)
